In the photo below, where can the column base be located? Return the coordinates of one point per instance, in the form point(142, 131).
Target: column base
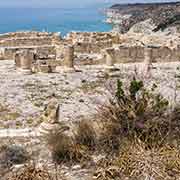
point(24, 71)
point(61, 69)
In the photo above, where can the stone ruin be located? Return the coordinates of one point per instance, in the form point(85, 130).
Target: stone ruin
point(47, 52)
point(24, 60)
point(28, 62)
point(92, 42)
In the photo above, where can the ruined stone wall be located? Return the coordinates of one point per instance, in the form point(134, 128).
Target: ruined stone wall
point(31, 41)
point(126, 54)
point(42, 43)
point(26, 34)
point(92, 42)
point(40, 51)
point(122, 48)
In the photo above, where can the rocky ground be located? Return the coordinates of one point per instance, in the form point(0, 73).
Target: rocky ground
point(23, 98)
point(145, 17)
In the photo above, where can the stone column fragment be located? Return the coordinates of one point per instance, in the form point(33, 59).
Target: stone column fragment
point(69, 57)
point(110, 58)
point(148, 58)
point(67, 64)
point(24, 60)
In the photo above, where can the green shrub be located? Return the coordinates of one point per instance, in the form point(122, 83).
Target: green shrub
point(135, 112)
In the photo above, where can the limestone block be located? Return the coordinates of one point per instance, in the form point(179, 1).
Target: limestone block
point(24, 60)
point(165, 54)
point(148, 58)
point(155, 54)
point(133, 52)
point(110, 56)
point(124, 52)
point(44, 68)
point(18, 60)
point(68, 57)
point(2, 53)
point(176, 53)
point(140, 53)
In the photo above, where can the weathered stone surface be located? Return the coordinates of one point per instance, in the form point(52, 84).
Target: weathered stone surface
point(148, 55)
point(24, 60)
point(68, 56)
point(85, 48)
point(110, 57)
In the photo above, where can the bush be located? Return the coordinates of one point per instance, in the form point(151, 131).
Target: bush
point(86, 135)
point(134, 161)
point(64, 149)
point(135, 112)
point(30, 172)
point(61, 146)
point(12, 154)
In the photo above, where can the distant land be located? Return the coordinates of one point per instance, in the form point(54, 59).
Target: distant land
point(144, 16)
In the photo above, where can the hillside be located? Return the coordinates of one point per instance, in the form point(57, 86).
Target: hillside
point(152, 16)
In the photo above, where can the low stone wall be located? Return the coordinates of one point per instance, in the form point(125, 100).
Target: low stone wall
point(9, 42)
point(125, 54)
point(32, 41)
point(27, 34)
point(40, 51)
point(81, 48)
point(43, 59)
point(92, 42)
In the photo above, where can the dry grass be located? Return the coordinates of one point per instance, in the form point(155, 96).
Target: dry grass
point(61, 146)
point(140, 134)
point(64, 148)
point(13, 154)
point(136, 112)
point(30, 172)
point(135, 161)
point(86, 134)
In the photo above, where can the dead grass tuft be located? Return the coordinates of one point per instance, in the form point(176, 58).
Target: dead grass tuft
point(30, 172)
point(135, 161)
point(86, 134)
point(64, 149)
point(13, 154)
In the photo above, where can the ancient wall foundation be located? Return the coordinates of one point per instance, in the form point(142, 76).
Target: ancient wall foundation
point(92, 42)
point(126, 54)
point(51, 52)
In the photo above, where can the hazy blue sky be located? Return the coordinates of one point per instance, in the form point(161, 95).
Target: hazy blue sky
point(63, 3)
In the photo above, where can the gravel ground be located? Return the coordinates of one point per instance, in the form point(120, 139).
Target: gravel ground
point(23, 98)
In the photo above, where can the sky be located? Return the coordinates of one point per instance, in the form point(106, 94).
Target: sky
point(65, 3)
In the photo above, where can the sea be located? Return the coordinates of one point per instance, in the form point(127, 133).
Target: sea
point(61, 20)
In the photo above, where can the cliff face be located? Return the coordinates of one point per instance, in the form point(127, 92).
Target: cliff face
point(144, 17)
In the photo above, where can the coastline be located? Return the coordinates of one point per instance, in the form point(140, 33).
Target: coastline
point(88, 19)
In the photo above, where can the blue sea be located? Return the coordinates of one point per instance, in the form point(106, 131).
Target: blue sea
point(52, 19)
